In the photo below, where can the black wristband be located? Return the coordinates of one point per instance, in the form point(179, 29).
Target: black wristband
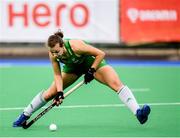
point(92, 70)
point(59, 95)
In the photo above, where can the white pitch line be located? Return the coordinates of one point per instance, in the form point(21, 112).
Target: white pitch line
point(91, 106)
point(90, 137)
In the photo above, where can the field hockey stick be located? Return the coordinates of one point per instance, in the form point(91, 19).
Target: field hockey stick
point(27, 125)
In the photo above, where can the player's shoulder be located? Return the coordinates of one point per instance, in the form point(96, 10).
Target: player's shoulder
point(76, 41)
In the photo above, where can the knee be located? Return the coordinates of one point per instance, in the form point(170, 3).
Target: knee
point(50, 92)
point(116, 85)
point(47, 95)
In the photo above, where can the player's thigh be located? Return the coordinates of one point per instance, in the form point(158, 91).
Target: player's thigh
point(50, 92)
point(109, 77)
point(68, 79)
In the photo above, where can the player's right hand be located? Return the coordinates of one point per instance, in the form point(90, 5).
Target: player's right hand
point(58, 99)
point(89, 75)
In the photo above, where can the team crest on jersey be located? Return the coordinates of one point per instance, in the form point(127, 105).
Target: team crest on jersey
point(74, 60)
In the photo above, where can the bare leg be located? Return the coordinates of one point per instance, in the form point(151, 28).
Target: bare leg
point(109, 77)
point(68, 79)
point(42, 98)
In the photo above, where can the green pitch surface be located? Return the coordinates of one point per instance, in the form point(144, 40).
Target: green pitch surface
point(93, 110)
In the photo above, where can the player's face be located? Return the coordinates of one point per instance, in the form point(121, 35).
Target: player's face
point(57, 50)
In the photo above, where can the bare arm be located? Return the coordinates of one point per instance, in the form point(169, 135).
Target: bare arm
point(57, 73)
point(81, 48)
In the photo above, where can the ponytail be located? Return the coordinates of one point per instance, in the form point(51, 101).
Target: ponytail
point(57, 37)
point(59, 33)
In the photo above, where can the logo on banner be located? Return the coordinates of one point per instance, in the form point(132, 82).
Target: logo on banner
point(151, 15)
point(133, 14)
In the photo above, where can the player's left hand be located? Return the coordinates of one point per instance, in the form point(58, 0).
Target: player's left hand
point(89, 76)
point(59, 98)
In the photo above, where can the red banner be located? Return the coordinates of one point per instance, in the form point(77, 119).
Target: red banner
point(149, 21)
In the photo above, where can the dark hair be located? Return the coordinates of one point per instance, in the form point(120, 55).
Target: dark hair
point(57, 37)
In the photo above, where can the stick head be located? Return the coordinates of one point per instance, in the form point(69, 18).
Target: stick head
point(24, 125)
point(27, 125)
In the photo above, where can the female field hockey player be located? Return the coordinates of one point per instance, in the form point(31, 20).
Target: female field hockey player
point(79, 58)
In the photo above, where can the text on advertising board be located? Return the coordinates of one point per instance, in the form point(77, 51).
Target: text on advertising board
point(43, 11)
